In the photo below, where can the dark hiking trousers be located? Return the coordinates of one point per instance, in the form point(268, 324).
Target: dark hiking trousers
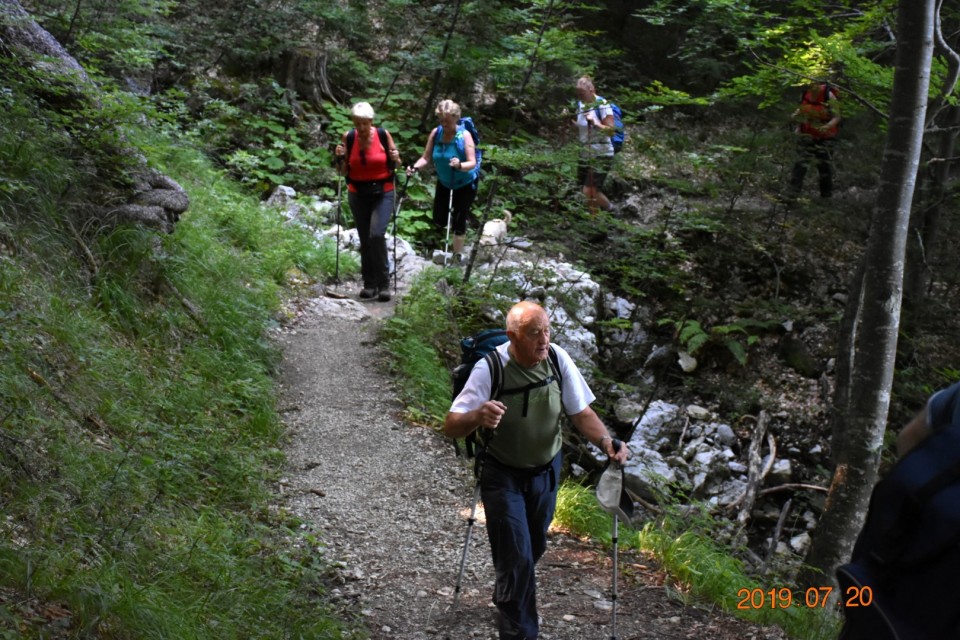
point(519, 505)
point(372, 215)
point(807, 150)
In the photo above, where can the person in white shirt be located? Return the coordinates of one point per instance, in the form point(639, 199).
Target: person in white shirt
point(521, 461)
point(595, 126)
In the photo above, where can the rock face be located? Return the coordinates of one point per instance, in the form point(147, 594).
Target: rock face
point(153, 200)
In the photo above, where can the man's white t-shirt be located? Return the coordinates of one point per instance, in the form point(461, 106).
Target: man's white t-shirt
point(576, 394)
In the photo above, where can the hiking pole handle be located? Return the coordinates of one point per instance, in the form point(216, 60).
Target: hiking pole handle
point(616, 443)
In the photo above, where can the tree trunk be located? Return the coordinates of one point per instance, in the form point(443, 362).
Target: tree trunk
point(861, 410)
point(431, 99)
point(926, 223)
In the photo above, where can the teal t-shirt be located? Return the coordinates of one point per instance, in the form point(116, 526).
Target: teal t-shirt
point(533, 440)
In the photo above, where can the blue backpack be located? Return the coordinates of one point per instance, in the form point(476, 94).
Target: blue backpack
point(467, 124)
point(620, 135)
point(473, 349)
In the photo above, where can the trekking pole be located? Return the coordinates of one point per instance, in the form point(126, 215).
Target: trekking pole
point(478, 472)
point(446, 242)
point(396, 213)
point(613, 614)
point(616, 561)
point(466, 543)
point(336, 276)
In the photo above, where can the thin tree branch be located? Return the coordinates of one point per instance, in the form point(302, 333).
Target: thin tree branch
point(793, 486)
point(953, 68)
point(846, 90)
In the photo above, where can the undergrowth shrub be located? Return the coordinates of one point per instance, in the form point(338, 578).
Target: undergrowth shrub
point(687, 545)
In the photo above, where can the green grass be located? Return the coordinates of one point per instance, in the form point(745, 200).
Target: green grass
point(703, 571)
point(138, 434)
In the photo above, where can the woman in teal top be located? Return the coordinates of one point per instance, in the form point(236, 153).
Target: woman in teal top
point(452, 151)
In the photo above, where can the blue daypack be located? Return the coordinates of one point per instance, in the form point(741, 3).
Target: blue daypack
point(899, 582)
point(620, 135)
point(467, 124)
point(473, 349)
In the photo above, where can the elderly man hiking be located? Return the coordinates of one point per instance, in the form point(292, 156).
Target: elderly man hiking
point(520, 419)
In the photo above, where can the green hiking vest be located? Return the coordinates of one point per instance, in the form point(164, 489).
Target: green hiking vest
point(529, 432)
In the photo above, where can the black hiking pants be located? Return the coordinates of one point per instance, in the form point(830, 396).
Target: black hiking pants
point(372, 215)
point(808, 150)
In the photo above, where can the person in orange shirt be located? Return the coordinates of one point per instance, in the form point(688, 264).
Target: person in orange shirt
point(818, 123)
point(367, 156)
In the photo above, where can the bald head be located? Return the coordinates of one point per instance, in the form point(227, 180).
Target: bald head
point(528, 328)
point(522, 312)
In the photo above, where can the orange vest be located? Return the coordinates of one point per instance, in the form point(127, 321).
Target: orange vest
point(815, 112)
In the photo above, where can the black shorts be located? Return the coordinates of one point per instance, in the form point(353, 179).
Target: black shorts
point(592, 172)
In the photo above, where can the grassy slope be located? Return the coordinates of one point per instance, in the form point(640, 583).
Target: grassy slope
point(138, 433)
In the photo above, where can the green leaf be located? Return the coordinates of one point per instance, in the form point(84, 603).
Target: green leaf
point(738, 351)
point(696, 342)
point(274, 163)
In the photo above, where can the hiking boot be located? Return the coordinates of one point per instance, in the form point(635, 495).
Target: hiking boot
point(384, 295)
point(368, 292)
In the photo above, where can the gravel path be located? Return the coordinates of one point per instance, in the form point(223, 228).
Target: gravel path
point(391, 502)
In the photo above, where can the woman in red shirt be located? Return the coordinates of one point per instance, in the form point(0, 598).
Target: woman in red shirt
point(367, 156)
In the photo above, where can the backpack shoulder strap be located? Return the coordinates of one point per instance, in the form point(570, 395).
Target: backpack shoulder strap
point(555, 363)
point(477, 441)
point(385, 143)
point(601, 102)
point(555, 366)
point(496, 374)
point(351, 136)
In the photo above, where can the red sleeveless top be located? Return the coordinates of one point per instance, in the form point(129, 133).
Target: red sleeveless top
point(368, 165)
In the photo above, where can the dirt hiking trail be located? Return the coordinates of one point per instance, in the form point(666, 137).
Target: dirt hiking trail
point(390, 502)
